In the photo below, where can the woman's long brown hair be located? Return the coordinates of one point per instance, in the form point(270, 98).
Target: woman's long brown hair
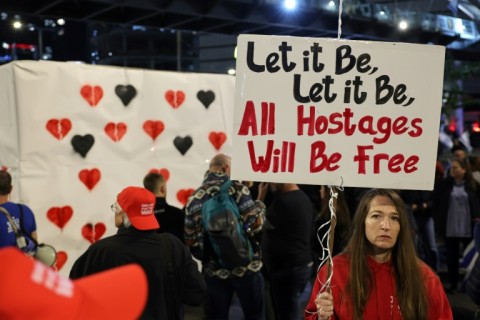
point(410, 282)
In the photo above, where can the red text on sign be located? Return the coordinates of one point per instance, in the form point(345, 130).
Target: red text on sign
point(394, 164)
point(275, 159)
point(249, 120)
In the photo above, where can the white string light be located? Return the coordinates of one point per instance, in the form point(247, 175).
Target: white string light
point(326, 255)
point(340, 7)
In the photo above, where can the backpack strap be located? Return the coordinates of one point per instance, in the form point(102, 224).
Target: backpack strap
point(12, 223)
point(20, 239)
point(22, 227)
point(225, 186)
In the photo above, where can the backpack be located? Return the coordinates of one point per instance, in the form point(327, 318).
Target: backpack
point(222, 222)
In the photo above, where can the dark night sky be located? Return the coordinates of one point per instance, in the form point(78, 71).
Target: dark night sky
point(69, 42)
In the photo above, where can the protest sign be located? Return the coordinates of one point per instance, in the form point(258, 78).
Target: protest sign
point(337, 112)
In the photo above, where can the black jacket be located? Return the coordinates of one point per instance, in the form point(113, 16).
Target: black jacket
point(287, 231)
point(173, 276)
point(171, 219)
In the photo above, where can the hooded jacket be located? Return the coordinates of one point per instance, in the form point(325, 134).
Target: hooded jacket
point(382, 302)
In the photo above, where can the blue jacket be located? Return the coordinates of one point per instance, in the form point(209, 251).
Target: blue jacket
point(7, 236)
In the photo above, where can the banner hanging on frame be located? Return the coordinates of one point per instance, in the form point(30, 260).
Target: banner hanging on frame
point(327, 111)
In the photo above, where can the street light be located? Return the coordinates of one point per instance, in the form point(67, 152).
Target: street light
point(50, 26)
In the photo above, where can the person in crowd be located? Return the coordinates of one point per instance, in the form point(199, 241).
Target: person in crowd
point(420, 203)
point(474, 162)
point(314, 194)
point(319, 242)
point(458, 152)
point(439, 173)
point(286, 248)
point(254, 186)
point(456, 206)
point(171, 219)
point(32, 290)
point(352, 197)
point(246, 281)
point(21, 214)
point(379, 275)
point(173, 276)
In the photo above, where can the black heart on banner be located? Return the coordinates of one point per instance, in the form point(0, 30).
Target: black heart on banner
point(82, 144)
point(183, 144)
point(125, 93)
point(206, 97)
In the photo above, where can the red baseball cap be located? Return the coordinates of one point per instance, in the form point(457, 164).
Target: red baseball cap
point(31, 290)
point(138, 203)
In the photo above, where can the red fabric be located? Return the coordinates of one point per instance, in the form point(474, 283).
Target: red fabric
point(382, 303)
point(138, 204)
point(31, 290)
point(439, 168)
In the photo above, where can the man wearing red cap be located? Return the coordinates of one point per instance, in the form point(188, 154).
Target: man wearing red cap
point(173, 276)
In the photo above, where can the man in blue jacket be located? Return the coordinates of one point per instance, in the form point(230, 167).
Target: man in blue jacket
point(21, 214)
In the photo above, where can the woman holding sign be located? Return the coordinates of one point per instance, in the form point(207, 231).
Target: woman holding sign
point(379, 275)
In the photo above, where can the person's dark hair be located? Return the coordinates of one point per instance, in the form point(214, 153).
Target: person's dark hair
point(153, 181)
point(457, 147)
point(411, 291)
point(5, 183)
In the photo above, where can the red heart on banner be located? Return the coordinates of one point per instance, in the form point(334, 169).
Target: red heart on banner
point(90, 177)
point(93, 233)
point(60, 216)
point(59, 128)
point(217, 139)
point(153, 128)
point(164, 172)
point(62, 257)
point(92, 95)
point(175, 98)
point(183, 194)
point(116, 131)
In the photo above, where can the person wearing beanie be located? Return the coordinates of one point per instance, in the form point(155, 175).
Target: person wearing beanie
point(173, 276)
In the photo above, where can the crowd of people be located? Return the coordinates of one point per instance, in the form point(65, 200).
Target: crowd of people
point(388, 245)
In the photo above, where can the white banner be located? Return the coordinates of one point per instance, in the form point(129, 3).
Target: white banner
point(337, 112)
point(73, 136)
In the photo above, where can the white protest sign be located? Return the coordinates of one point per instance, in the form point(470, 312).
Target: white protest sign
point(337, 112)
